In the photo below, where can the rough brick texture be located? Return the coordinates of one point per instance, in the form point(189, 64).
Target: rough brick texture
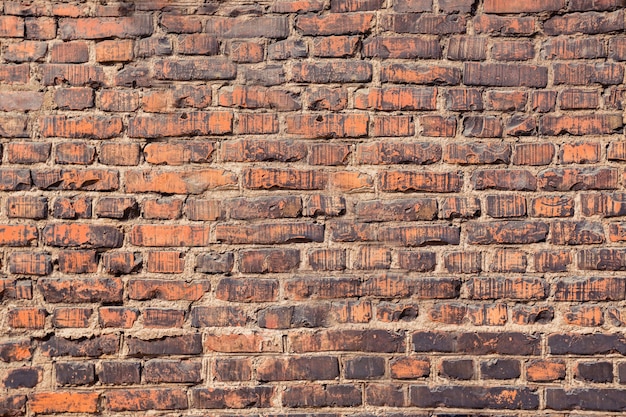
point(324, 208)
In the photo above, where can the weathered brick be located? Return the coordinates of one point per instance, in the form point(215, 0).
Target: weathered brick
point(232, 398)
point(85, 290)
point(588, 23)
point(475, 397)
point(506, 232)
point(99, 28)
point(333, 72)
point(420, 74)
point(178, 182)
point(401, 47)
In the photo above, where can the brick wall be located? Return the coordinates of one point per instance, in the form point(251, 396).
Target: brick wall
point(331, 208)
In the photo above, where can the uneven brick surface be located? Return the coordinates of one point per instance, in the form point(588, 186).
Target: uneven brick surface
point(325, 208)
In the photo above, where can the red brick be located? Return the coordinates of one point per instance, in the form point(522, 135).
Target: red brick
point(253, 97)
point(552, 261)
point(257, 124)
point(393, 126)
point(11, 27)
point(115, 51)
point(85, 290)
point(506, 100)
point(545, 370)
point(329, 154)
point(15, 74)
point(121, 154)
point(176, 23)
point(505, 75)
point(436, 182)
point(327, 259)
point(17, 235)
point(100, 28)
point(506, 232)
point(119, 101)
point(185, 124)
point(532, 6)
point(169, 235)
point(551, 206)
point(78, 262)
point(233, 397)
point(425, 23)
point(270, 233)
point(327, 126)
point(567, 179)
point(584, 316)
point(543, 101)
point(334, 24)
point(396, 98)
point(500, 179)
point(335, 46)
point(71, 318)
point(27, 318)
point(257, 151)
point(195, 69)
point(438, 126)
point(163, 262)
point(15, 126)
point(322, 72)
point(162, 318)
point(27, 207)
point(586, 23)
point(78, 98)
point(388, 152)
point(26, 51)
point(198, 44)
point(72, 208)
point(533, 154)
point(263, 207)
point(586, 74)
point(147, 289)
point(63, 402)
point(401, 47)
point(467, 48)
point(247, 52)
point(146, 399)
point(178, 153)
point(580, 153)
point(40, 28)
point(27, 152)
point(74, 153)
point(72, 74)
point(30, 263)
point(396, 210)
point(298, 6)
point(477, 153)
point(509, 288)
point(76, 179)
point(275, 27)
point(519, 50)
point(463, 262)
point(573, 48)
point(88, 127)
point(178, 182)
point(238, 290)
point(420, 74)
point(268, 260)
point(509, 260)
point(288, 179)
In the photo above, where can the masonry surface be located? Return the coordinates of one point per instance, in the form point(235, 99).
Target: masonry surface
point(330, 208)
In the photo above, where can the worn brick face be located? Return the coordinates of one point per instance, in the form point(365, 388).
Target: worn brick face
point(313, 207)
